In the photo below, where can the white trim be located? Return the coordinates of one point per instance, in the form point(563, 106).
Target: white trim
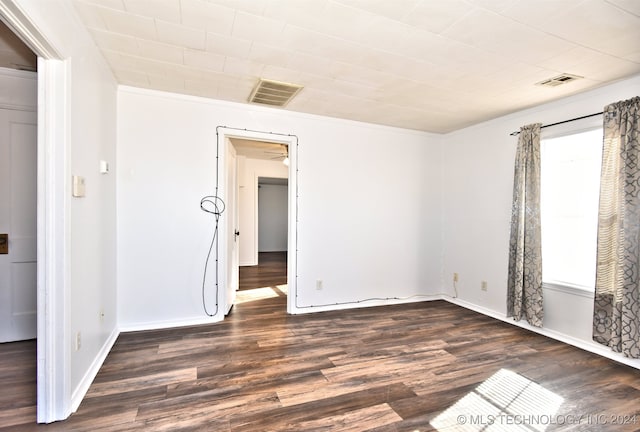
point(256, 218)
point(83, 387)
point(570, 289)
point(291, 142)
point(587, 346)
point(53, 356)
point(168, 324)
point(15, 18)
point(53, 243)
point(292, 230)
point(53, 344)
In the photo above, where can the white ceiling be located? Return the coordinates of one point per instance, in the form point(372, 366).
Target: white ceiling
point(432, 65)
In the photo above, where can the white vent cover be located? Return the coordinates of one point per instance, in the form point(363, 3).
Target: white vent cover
point(274, 93)
point(559, 80)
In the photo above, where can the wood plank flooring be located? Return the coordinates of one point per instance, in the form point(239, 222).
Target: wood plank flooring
point(413, 367)
point(270, 271)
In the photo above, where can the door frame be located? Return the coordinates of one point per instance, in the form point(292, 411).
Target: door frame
point(256, 204)
point(54, 334)
point(53, 343)
point(291, 141)
point(231, 208)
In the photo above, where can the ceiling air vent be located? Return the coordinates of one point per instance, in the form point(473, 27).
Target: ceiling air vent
point(559, 80)
point(274, 93)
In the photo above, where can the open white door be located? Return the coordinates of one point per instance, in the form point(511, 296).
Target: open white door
point(18, 198)
point(233, 270)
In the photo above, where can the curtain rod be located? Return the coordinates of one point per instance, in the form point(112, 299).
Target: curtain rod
point(561, 122)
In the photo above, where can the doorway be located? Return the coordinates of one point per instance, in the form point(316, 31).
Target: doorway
point(272, 234)
point(18, 226)
point(53, 393)
point(18, 196)
point(18, 192)
point(271, 272)
point(259, 156)
point(272, 214)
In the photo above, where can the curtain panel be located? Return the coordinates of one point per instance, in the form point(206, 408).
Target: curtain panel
point(524, 285)
point(616, 315)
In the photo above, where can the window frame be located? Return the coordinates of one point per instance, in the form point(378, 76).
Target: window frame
point(558, 131)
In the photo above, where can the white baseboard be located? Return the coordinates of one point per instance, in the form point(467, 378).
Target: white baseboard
point(592, 347)
point(159, 325)
point(83, 387)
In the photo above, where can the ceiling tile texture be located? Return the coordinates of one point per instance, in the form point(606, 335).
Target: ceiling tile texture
point(430, 65)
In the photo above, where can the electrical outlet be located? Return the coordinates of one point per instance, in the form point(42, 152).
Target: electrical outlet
point(483, 286)
point(78, 341)
point(455, 277)
point(319, 284)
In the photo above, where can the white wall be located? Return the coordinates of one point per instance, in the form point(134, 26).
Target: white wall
point(477, 189)
point(93, 218)
point(250, 170)
point(91, 134)
point(369, 220)
point(272, 218)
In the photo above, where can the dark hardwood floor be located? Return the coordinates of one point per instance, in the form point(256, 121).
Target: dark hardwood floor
point(414, 367)
point(270, 271)
point(17, 383)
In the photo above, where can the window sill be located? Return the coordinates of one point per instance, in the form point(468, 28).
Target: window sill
point(566, 288)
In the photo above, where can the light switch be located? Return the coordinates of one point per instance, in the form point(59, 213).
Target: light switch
point(78, 187)
point(104, 167)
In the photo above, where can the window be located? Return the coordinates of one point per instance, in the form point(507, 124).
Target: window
point(569, 196)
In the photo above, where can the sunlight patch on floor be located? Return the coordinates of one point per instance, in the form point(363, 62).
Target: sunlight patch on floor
point(505, 401)
point(284, 288)
point(246, 296)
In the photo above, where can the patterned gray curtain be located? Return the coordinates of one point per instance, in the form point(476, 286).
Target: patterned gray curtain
point(616, 315)
point(524, 286)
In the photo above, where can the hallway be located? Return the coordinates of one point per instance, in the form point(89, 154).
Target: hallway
point(270, 271)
